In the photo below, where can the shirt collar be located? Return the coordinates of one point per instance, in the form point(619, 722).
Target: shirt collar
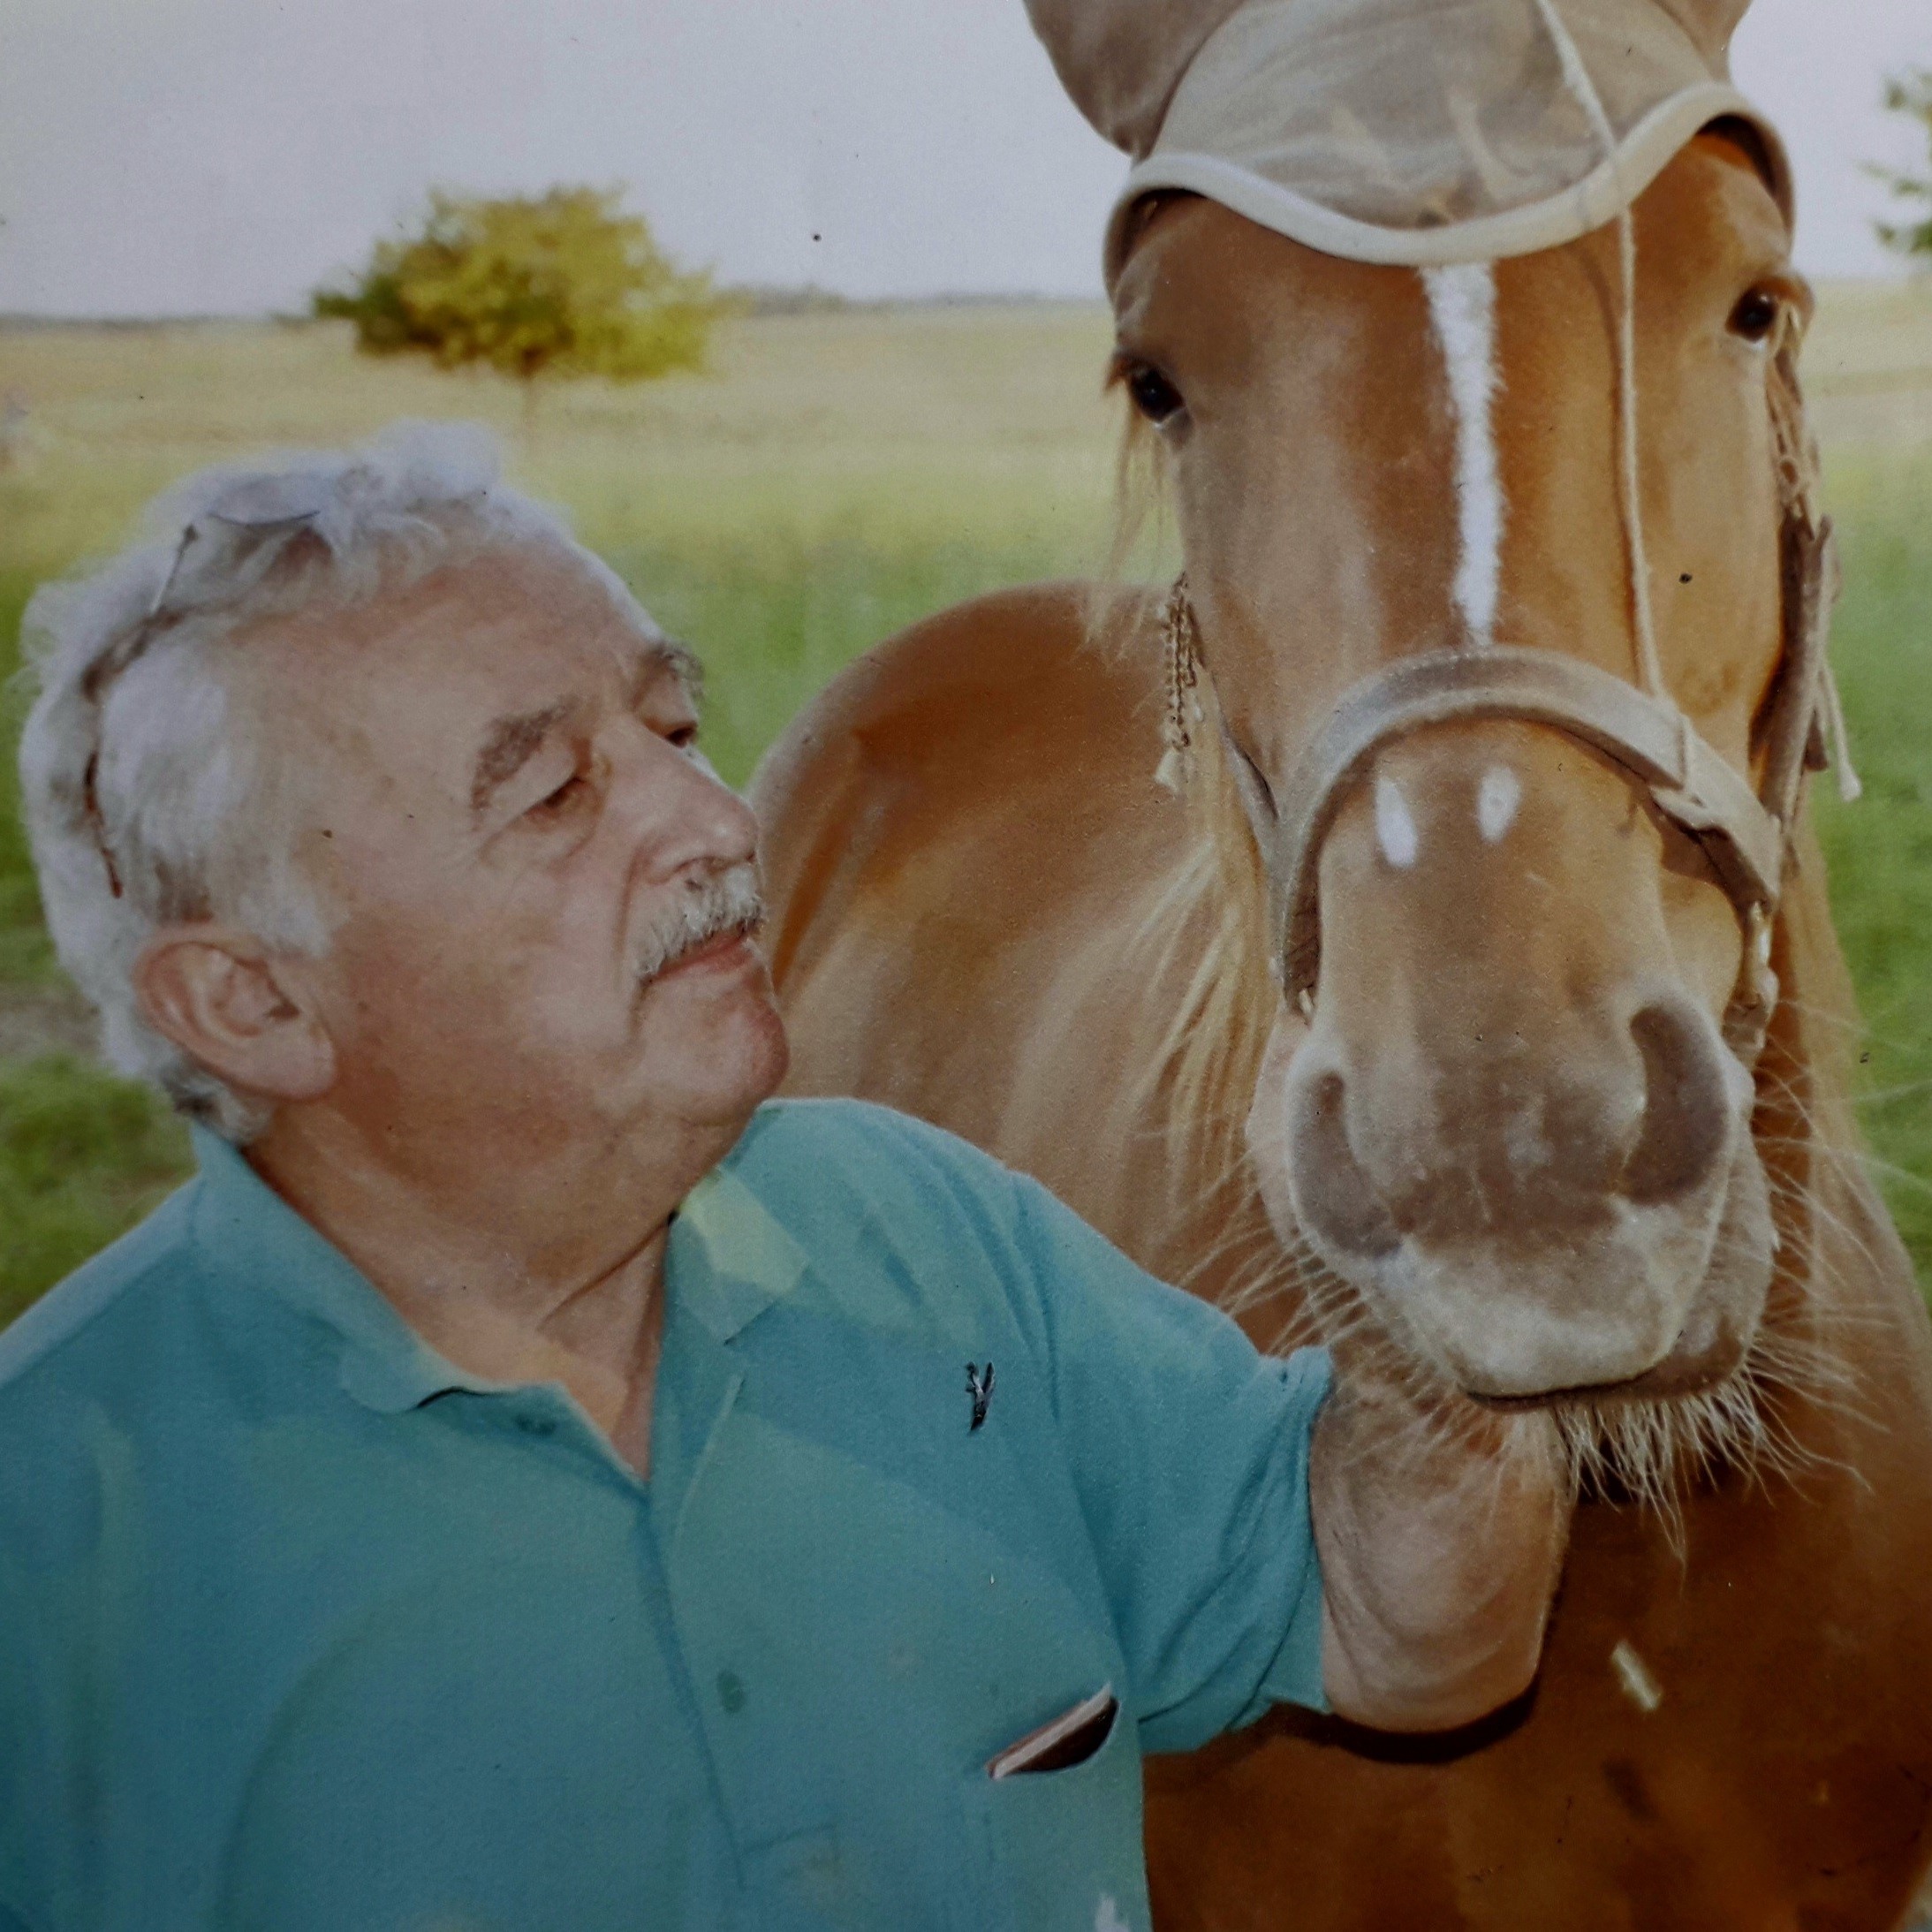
point(248, 1233)
point(729, 1259)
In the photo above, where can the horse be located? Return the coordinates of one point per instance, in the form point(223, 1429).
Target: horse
point(1527, 1147)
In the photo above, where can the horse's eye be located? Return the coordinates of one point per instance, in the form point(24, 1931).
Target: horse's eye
point(1756, 316)
point(1154, 396)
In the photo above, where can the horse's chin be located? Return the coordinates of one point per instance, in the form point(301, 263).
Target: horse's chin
point(1681, 1376)
point(1707, 1351)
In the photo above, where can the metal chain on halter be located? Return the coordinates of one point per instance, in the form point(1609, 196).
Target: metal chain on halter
point(1181, 644)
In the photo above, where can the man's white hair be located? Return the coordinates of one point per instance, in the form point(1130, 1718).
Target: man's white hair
point(153, 796)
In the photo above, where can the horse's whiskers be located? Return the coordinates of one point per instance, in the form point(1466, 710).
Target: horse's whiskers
point(1653, 1454)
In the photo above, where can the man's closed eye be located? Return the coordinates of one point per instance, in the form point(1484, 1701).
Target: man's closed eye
point(575, 792)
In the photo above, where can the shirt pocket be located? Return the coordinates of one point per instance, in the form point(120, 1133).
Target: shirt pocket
point(1061, 1849)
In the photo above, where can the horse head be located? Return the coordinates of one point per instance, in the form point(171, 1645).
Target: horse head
point(1504, 580)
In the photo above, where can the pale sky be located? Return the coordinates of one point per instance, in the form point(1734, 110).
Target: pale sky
point(223, 156)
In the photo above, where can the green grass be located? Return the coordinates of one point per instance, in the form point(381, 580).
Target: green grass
point(83, 1155)
point(24, 954)
point(1879, 850)
point(836, 478)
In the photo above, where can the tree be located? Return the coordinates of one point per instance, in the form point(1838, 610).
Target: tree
point(565, 285)
point(1911, 94)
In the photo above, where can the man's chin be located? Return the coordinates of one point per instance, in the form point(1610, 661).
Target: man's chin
point(767, 1053)
point(720, 1048)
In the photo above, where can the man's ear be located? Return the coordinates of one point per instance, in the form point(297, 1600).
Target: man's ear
point(237, 1010)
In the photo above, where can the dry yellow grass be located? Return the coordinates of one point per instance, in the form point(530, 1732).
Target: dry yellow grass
point(1869, 365)
point(978, 425)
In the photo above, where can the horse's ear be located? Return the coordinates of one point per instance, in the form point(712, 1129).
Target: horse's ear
point(1711, 24)
point(1121, 60)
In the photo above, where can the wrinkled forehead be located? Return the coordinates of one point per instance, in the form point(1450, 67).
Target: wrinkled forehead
point(402, 686)
point(1434, 132)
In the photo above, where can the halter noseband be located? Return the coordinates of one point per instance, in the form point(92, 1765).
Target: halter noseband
point(1746, 833)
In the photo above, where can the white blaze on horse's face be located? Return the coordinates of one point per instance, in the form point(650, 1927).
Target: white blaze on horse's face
point(1395, 825)
point(1462, 305)
point(1497, 799)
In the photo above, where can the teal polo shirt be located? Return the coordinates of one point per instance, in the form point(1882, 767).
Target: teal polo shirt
point(303, 1629)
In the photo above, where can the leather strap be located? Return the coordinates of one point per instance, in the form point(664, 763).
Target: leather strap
point(1791, 741)
point(1692, 783)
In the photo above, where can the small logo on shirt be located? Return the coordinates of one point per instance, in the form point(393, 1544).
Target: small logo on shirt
point(980, 1387)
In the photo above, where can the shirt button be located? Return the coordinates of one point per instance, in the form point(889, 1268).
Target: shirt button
point(537, 1425)
point(732, 1691)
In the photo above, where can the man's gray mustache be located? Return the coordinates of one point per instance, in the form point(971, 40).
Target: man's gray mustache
point(729, 905)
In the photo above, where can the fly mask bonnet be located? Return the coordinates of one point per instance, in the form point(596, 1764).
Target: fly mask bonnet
point(1432, 134)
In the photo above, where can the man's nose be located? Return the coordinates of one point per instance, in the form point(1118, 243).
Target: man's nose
point(679, 807)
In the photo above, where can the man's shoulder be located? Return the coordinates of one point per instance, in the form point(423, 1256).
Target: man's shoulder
point(859, 1152)
point(79, 1328)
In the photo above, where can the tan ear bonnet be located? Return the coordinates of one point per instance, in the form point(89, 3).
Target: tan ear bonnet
point(1412, 131)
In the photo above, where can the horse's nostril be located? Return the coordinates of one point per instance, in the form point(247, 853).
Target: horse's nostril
point(1686, 1108)
point(1335, 1199)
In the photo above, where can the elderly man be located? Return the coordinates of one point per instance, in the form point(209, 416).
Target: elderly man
point(527, 1480)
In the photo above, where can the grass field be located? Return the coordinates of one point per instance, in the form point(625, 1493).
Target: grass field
point(833, 478)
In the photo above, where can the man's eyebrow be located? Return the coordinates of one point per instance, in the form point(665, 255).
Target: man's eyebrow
point(658, 656)
point(508, 748)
